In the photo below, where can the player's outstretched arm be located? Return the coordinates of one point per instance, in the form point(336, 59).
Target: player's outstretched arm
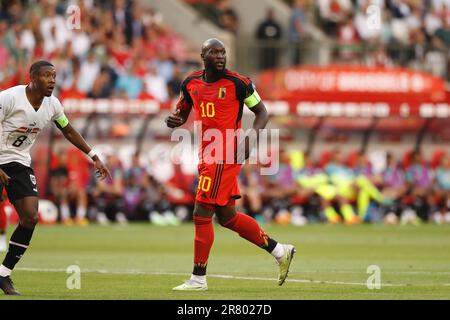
point(71, 134)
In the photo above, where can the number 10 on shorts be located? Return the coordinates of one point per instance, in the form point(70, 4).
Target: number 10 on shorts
point(204, 183)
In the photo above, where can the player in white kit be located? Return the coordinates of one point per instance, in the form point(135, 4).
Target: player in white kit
point(24, 112)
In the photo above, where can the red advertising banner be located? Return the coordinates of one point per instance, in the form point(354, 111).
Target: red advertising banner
point(350, 83)
point(313, 91)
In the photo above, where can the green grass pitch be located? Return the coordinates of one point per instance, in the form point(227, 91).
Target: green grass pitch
point(141, 261)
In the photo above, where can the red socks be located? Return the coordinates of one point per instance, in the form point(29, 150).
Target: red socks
point(204, 238)
point(244, 225)
point(247, 228)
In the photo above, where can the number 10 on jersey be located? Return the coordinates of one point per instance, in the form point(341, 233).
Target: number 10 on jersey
point(204, 183)
point(208, 109)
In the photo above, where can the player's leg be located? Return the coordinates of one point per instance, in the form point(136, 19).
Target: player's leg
point(248, 228)
point(3, 226)
point(203, 241)
point(81, 199)
point(27, 209)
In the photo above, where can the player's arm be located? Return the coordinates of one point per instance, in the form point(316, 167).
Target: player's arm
point(182, 111)
point(255, 104)
point(71, 134)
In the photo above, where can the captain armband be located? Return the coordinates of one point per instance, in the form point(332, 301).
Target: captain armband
point(252, 100)
point(62, 122)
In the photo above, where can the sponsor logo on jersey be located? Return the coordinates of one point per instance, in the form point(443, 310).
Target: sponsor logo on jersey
point(27, 130)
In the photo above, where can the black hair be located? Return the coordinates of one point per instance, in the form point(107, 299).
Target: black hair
point(38, 65)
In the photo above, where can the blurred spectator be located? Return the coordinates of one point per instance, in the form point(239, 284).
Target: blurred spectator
point(228, 18)
point(54, 30)
point(107, 201)
point(102, 86)
point(442, 194)
point(420, 177)
point(155, 85)
point(174, 85)
point(67, 192)
point(333, 12)
point(129, 82)
point(441, 38)
point(81, 43)
point(296, 31)
point(89, 70)
point(269, 33)
point(349, 41)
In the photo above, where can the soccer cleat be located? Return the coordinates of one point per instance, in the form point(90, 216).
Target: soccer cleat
point(191, 285)
point(353, 220)
point(67, 222)
point(81, 221)
point(285, 262)
point(6, 285)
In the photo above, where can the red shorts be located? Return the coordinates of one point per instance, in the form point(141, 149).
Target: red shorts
point(218, 184)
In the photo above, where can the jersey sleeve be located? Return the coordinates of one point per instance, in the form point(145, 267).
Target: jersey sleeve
point(185, 101)
point(59, 117)
point(5, 105)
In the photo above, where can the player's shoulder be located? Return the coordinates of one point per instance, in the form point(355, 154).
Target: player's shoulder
point(12, 94)
point(54, 101)
point(14, 91)
point(235, 75)
point(193, 75)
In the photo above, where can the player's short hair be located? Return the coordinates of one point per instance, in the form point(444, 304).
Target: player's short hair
point(39, 64)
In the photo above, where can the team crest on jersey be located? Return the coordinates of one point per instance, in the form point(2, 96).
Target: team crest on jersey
point(33, 179)
point(222, 93)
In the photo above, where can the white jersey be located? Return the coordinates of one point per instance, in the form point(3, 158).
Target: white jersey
point(21, 123)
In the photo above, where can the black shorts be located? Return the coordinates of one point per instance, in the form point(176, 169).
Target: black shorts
point(22, 182)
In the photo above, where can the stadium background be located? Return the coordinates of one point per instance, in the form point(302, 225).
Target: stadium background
point(336, 84)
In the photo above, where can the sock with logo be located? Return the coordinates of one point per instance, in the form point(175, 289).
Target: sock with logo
point(18, 244)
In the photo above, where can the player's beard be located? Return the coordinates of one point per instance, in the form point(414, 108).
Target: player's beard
point(213, 67)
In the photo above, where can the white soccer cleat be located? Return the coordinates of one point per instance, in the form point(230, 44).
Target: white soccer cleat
point(191, 285)
point(285, 262)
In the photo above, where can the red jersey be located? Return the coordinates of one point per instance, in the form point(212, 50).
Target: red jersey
point(217, 105)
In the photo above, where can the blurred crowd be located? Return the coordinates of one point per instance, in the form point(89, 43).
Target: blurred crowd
point(410, 33)
point(101, 49)
point(331, 188)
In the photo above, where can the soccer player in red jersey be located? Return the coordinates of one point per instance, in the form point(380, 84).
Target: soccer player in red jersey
point(218, 96)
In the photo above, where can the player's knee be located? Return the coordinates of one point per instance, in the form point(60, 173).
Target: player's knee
point(224, 219)
point(29, 221)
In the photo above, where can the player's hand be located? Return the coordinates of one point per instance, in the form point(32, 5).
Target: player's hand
point(102, 171)
point(174, 120)
point(4, 178)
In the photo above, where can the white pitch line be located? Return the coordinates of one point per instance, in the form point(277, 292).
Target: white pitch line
point(134, 272)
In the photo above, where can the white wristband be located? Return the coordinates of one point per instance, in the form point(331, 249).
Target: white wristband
point(92, 153)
